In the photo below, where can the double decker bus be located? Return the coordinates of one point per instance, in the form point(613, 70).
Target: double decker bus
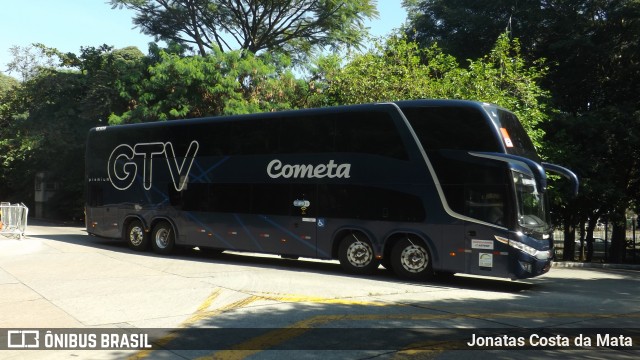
point(422, 187)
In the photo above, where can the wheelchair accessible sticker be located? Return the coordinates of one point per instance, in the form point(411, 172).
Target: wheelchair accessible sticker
point(321, 222)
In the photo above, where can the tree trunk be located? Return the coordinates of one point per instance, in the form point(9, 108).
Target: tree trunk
point(618, 236)
point(569, 239)
point(591, 225)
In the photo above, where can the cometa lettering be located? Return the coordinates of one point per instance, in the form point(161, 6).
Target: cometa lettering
point(277, 169)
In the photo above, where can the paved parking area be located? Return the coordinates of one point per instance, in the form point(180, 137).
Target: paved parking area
point(59, 277)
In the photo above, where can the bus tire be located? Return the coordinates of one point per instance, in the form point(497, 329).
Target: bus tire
point(163, 238)
point(410, 259)
point(136, 237)
point(356, 255)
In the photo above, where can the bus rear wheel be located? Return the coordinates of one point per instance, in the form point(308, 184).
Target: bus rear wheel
point(410, 259)
point(163, 238)
point(136, 237)
point(356, 255)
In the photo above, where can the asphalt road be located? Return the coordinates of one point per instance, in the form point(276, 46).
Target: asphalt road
point(264, 307)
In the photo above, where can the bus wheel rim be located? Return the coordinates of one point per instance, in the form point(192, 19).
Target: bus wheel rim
point(136, 235)
point(414, 259)
point(162, 238)
point(359, 254)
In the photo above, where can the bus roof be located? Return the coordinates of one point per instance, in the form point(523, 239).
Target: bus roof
point(312, 111)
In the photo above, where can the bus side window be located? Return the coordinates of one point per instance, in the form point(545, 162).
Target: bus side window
point(486, 203)
point(308, 135)
point(372, 133)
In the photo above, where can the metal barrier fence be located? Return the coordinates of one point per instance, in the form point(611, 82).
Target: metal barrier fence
point(13, 219)
point(601, 245)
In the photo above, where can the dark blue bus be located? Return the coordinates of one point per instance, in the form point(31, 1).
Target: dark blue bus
point(422, 187)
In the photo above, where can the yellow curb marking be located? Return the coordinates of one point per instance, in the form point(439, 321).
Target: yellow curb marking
point(201, 313)
point(319, 300)
point(278, 336)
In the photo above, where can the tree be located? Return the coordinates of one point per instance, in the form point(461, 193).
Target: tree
point(28, 60)
point(592, 50)
point(7, 83)
point(46, 118)
point(587, 43)
point(400, 69)
point(467, 29)
point(45, 134)
point(603, 148)
point(607, 102)
point(289, 26)
point(180, 87)
point(7, 86)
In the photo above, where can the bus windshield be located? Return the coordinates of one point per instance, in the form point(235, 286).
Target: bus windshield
point(530, 201)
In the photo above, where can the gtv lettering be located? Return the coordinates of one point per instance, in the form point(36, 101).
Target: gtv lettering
point(123, 169)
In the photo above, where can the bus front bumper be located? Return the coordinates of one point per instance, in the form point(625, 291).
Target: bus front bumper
point(528, 266)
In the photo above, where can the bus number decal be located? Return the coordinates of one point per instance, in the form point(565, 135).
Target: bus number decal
point(506, 137)
point(123, 170)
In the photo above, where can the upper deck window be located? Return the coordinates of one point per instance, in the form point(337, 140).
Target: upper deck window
point(518, 142)
point(454, 128)
point(362, 132)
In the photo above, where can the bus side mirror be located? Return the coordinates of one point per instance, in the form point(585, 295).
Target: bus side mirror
point(566, 173)
point(537, 171)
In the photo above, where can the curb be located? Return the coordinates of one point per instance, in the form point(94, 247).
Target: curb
point(570, 264)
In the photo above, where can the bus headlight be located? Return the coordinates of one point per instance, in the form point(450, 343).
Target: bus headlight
point(540, 255)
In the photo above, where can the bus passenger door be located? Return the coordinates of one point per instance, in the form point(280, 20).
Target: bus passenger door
point(301, 239)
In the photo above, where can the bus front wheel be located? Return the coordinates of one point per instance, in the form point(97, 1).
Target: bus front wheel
point(356, 255)
point(136, 237)
point(410, 259)
point(163, 238)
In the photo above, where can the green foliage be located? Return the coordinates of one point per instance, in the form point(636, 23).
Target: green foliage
point(221, 83)
point(46, 118)
point(7, 83)
point(44, 133)
point(590, 45)
point(391, 71)
point(603, 148)
point(467, 29)
point(400, 69)
point(503, 78)
point(27, 61)
point(591, 50)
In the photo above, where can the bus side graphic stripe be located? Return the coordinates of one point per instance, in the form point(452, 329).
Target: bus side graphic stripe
point(205, 174)
point(204, 226)
point(246, 230)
